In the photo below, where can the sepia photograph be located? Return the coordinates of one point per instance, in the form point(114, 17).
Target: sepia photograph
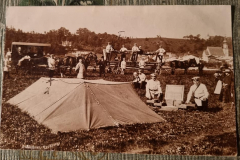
point(119, 79)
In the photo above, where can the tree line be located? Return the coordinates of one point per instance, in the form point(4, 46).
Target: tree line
point(84, 39)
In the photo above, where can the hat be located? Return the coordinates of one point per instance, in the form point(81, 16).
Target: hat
point(195, 78)
point(153, 75)
point(227, 71)
point(218, 71)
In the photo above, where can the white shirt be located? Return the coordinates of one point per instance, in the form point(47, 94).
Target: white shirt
point(135, 78)
point(123, 49)
point(154, 86)
point(160, 51)
point(51, 63)
point(6, 65)
point(142, 64)
point(199, 92)
point(142, 77)
point(135, 49)
point(123, 65)
point(109, 48)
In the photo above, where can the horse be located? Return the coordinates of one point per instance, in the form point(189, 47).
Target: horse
point(69, 62)
point(90, 60)
point(183, 64)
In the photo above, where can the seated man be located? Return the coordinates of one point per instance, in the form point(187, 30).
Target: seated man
point(200, 93)
point(142, 79)
point(140, 50)
point(135, 80)
point(153, 88)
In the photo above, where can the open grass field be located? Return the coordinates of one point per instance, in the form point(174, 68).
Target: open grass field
point(186, 132)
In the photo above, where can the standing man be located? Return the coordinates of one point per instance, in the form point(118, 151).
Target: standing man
point(123, 52)
point(153, 88)
point(159, 54)
point(123, 66)
point(51, 66)
point(6, 66)
point(9, 54)
point(102, 66)
point(80, 69)
point(200, 67)
point(225, 95)
point(219, 84)
point(109, 50)
point(16, 56)
point(142, 79)
point(135, 51)
point(185, 66)
point(200, 93)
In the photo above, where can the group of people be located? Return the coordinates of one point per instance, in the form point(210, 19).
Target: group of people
point(224, 89)
point(198, 91)
point(135, 51)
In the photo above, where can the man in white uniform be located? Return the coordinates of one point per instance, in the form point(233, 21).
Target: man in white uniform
point(153, 88)
point(160, 53)
point(200, 93)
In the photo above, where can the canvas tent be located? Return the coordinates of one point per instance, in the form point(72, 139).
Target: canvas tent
point(75, 104)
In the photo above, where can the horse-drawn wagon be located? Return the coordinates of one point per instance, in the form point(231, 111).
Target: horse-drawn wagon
point(117, 56)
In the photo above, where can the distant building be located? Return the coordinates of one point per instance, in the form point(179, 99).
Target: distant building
point(216, 52)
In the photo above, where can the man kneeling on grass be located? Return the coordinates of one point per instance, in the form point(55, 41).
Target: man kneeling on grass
point(153, 88)
point(200, 93)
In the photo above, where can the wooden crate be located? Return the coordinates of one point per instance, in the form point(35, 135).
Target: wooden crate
point(168, 108)
point(157, 104)
point(152, 101)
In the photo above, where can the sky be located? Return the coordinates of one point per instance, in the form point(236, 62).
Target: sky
point(135, 21)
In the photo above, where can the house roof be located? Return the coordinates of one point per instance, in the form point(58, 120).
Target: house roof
point(215, 51)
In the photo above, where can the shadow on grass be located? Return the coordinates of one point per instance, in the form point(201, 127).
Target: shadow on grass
point(222, 144)
point(214, 110)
